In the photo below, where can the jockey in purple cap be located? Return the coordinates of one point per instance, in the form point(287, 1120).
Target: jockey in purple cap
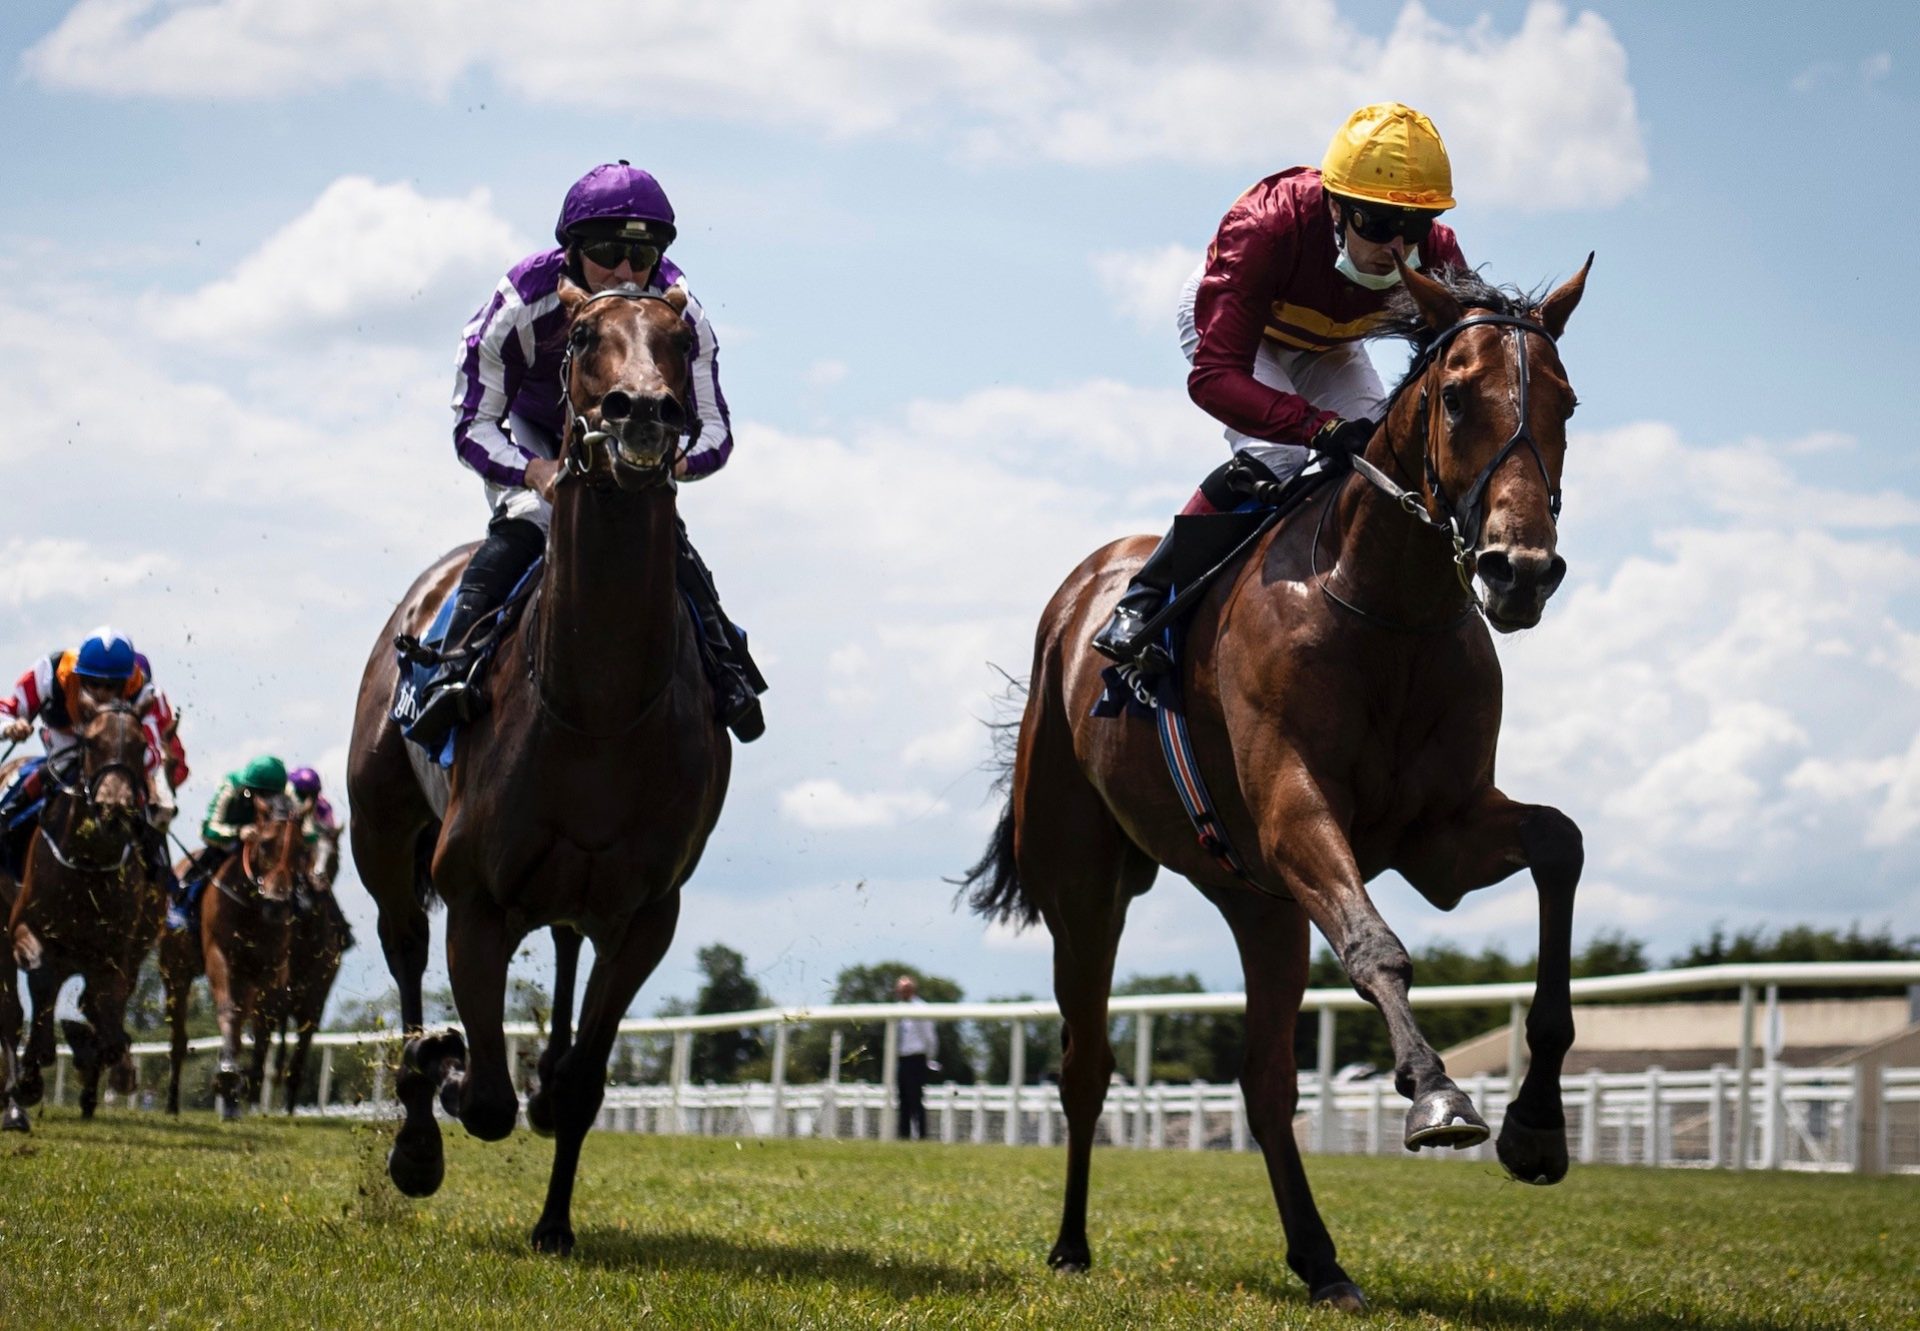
point(319, 824)
point(614, 229)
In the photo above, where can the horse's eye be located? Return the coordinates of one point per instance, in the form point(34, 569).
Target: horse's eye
point(580, 336)
point(1450, 399)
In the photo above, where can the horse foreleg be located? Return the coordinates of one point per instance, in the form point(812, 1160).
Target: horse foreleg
point(1308, 844)
point(225, 986)
point(296, 1066)
point(12, 1117)
point(257, 1089)
point(479, 950)
point(580, 1078)
point(1272, 938)
point(1493, 837)
point(566, 962)
point(43, 989)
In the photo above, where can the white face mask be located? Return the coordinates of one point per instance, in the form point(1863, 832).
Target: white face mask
point(1372, 281)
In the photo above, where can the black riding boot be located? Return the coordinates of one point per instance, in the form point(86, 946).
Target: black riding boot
point(737, 681)
point(1191, 547)
point(452, 696)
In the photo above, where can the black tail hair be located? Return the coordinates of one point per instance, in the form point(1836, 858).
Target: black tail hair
point(997, 892)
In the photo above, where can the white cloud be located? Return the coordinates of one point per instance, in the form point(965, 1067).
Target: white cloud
point(46, 568)
point(1144, 285)
point(826, 373)
point(1876, 67)
point(1541, 116)
point(363, 251)
point(827, 806)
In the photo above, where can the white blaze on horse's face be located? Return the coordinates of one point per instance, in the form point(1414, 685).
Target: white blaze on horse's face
point(626, 376)
point(1519, 564)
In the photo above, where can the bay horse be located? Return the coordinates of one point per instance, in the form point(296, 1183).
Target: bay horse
point(583, 797)
point(238, 941)
point(318, 936)
point(86, 904)
point(1344, 701)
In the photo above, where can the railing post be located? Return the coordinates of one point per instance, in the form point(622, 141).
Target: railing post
point(1652, 1152)
point(323, 1093)
point(1590, 1120)
point(59, 1072)
point(379, 1095)
point(1716, 1116)
point(977, 1133)
point(890, 1080)
point(513, 1063)
point(679, 1068)
point(1376, 1112)
point(1743, 1081)
point(1240, 1133)
point(1016, 1080)
point(1142, 1073)
point(1863, 1089)
point(830, 1098)
point(1516, 1047)
point(1157, 1135)
point(1774, 1128)
point(1323, 1069)
point(780, 1080)
point(1197, 1125)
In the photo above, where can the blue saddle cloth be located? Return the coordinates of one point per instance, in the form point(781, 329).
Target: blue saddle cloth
point(418, 664)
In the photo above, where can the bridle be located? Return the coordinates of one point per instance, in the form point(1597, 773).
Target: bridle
point(582, 438)
point(1460, 522)
point(245, 860)
point(86, 793)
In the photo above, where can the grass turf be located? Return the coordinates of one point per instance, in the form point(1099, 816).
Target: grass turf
point(134, 1220)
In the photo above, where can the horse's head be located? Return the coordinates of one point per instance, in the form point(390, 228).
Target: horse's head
point(113, 771)
point(1488, 408)
point(274, 858)
point(625, 382)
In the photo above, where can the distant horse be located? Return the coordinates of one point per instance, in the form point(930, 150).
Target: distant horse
point(239, 942)
point(86, 904)
point(317, 938)
point(584, 797)
point(1344, 701)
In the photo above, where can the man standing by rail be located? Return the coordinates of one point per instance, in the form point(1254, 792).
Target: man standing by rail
point(918, 1045)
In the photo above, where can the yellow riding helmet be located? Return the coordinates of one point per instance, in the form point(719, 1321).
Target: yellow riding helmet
point(1389, 153)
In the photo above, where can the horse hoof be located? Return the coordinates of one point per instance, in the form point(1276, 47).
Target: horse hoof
point(491, 1120)
point(418, 1171)
point(1342, 1295)
point(1530, 1154)
point(540, 1113)
point(1445, 1118)
point(15, 1120)
point(86, 1109)
point(428, 1052)
point(1070, 1259)
point(229, 1109)
point(554, 1239)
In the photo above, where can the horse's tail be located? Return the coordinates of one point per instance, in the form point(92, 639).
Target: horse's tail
point(996, 890)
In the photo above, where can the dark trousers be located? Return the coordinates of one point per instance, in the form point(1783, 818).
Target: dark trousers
point(913, 1104)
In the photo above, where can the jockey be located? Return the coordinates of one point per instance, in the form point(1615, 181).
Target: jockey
point(320, 825)
point(1272, 322)
point(614, 228)
point(105, 666)
point(229, 825)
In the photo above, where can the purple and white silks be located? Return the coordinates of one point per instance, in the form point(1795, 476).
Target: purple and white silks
point(510, 355)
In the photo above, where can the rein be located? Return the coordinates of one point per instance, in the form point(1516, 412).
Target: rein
point(582, 439)
point(86, 793)
point(1460, 523)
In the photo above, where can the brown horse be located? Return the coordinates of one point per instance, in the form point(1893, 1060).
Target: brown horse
point(318, 936)
point(239, 942)
point(86, 905)
point(1344, 701)
point(585, 795)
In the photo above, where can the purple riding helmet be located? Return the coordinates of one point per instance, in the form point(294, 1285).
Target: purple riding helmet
point(623, 200)
point(305, 782)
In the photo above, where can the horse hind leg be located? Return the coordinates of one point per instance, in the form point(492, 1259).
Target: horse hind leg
point(566, 954)
point(13, 1118)
point(1272, 939)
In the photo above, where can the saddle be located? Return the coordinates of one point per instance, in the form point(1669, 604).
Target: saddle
point(421, 657)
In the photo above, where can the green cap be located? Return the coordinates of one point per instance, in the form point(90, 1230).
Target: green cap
point(264, 775)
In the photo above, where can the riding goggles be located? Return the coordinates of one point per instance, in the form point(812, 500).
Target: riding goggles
point(642, 255)
point(1377, 224)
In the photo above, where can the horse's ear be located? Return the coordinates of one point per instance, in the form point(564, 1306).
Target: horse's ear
point(572, 295)
point(677, 297)
point(1556, 309)
point(1438, 306)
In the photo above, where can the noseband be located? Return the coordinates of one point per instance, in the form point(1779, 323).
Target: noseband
point(582, 438)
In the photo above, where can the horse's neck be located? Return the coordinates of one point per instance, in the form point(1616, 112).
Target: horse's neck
point(607, 644)
point(1389, 562)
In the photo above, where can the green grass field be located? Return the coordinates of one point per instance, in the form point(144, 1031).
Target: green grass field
point(134, 1221)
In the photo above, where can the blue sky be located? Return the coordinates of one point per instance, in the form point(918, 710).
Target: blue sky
point(941, 243)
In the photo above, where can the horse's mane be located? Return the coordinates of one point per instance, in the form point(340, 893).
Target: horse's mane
point(1405, 322)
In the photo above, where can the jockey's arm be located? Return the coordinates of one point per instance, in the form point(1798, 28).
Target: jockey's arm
point(165, 752)
point(1246, 264)
point(493, 361)
point(715, 444)
point(230, 811)
point(30, 694)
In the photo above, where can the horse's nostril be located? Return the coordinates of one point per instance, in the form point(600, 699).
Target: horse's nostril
point(1495, 569)
point(616, 406)
point(1556, 572)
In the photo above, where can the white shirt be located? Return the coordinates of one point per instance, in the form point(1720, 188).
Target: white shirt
point(916, 1034)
